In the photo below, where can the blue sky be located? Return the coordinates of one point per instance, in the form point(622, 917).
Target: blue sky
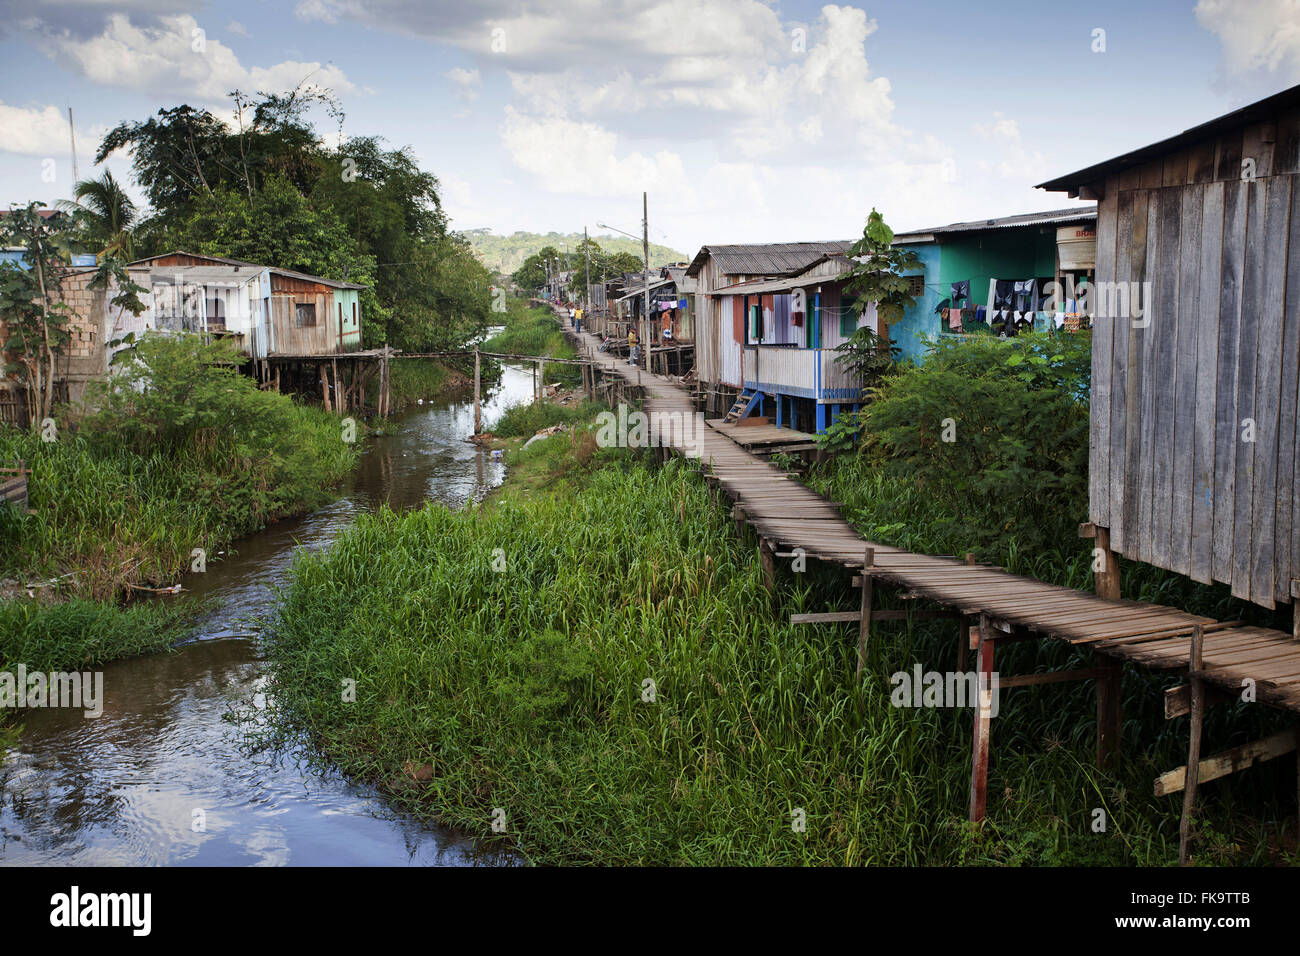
point(744, 120)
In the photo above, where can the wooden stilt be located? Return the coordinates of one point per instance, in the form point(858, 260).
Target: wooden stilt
point(340, 394)
point(1110, 718)
point(1195, 665)
point(979, 774)
point(767, 558)
point(864, 625)
point(325, 386)
point(478, 407)
point(1106, 582)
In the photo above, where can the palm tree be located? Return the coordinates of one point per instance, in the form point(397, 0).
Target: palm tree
point(106, 213)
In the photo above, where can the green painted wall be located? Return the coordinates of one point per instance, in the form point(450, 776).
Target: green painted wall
point(997, 254)
point(351, 328)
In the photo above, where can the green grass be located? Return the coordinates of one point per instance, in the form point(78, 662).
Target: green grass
point(523, 690)
point(413, 379)
point(535, 331)
point(78, 633)
point(528, 418)
point(102, 517)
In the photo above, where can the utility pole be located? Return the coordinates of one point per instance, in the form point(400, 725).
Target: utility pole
point(645, 252)
point(72, 137)
point(586, 253)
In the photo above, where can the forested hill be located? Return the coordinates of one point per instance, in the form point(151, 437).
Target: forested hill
point(505, 254)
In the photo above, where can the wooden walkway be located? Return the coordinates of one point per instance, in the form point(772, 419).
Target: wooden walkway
point(788, 515)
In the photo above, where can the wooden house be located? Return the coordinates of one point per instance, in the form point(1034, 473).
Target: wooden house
point(720, 337)
point(996, 275)
point(275, 312)
point(1194, 450)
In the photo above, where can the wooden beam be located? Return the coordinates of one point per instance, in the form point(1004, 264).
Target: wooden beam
point(864, 620)
point(979, 774)
point(1229, 761)
point(1192, 772)
point(1110, 716)
point(1178, 700)
point(1051, 677)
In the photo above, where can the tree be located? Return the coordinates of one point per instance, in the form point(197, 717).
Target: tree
point(36, 320)
point(104, 214)
point(535, 270)
point(876, 277)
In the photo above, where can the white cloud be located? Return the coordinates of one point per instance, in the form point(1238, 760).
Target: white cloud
point(178, 58)
point(237, 28)
point(40, 131)
point(583, 158)
point(1255, 34)
point(1010, 156)
point(465, 82)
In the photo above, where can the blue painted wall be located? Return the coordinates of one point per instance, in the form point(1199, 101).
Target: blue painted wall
point(920, 321)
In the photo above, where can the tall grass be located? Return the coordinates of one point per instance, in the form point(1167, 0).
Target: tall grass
point(528, 418)
point(525, 690)
point(102, 517)
point(535, 331)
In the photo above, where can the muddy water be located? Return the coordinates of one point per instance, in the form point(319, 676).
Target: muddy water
point(161, 777)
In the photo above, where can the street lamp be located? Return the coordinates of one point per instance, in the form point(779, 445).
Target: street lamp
point(645, 250)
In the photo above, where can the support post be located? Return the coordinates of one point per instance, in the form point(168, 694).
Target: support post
point(478, 401)
point(864, 625)
point(979, 774)
point(1110, 718)
point(1195, 664)
point(1106, 581)
point(768, 562)
point(325, 386)
point(340, 394)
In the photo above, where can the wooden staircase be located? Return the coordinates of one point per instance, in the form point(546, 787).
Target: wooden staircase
point(745, 403)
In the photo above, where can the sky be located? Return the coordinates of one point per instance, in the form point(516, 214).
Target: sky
point(744, 121)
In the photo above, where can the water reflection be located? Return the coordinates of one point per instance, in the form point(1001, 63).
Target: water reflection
point(128, 787)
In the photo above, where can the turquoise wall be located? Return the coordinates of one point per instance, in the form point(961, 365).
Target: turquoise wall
point(351, 329)
point(920, 320)
point(1024, 253)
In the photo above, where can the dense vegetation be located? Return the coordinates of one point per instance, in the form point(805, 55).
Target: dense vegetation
point(184, 452)
point(523, 692)
point(270, 190)
point(534, 330)
point(505, 254)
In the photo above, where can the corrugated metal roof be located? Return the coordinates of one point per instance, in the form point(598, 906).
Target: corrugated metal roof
point(334, 283)
point(1050, 217)
point(804, 279)
point(765, 259)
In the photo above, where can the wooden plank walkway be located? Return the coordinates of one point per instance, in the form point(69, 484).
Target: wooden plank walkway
point(787, 514)
point(790, 515)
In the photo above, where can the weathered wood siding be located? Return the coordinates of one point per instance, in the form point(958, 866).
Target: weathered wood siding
point(1172, 472)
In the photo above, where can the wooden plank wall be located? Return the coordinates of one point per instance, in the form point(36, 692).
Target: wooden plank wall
point(1171, 475)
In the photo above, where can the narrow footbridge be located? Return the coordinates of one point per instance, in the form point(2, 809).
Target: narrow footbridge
point(1219, 658)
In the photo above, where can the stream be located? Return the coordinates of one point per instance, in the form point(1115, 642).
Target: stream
point(123, 789)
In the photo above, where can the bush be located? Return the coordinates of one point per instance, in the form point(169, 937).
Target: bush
point(184, 452)
point(528, 418)
point(994, 430)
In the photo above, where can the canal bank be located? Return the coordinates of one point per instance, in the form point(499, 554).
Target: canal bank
point(165, 776)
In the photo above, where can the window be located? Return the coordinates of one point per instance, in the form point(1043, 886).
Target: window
point(216, 314)
point(756, 322)
point(915, 286)
point(304, 315)
point(849, 312)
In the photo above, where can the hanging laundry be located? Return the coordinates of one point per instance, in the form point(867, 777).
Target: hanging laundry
point(1003, 292)
point(961, 291)
point(979, 314)
point(954, 319)
point(1058, 319)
